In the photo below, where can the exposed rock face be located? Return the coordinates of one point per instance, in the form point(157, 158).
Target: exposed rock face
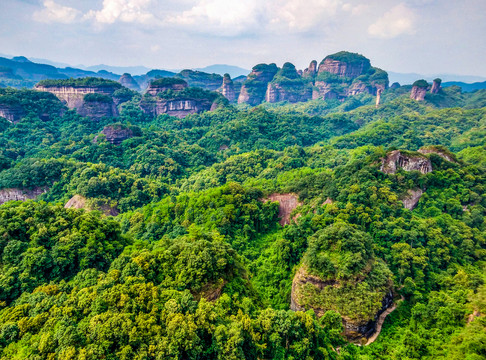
point(378, 97)
point(12, 113)
point(73, 97)
point(162, 85)
point(338, 65)
point(80, 202)
point(346, 74)
point(228, 88)
point(311, 71)
point(412, 198)
point(20, 194)
point(255, 87)
point(115, 134)
point(129, 82)
point(419, 90)
point(287, 203)
point(96, 110)
point(436, 86)
point(177, 107)
point(438, 151)
point(408, 162)
point(288, 85)
point(353, 330)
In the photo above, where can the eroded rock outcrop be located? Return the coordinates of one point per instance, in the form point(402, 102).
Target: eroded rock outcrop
point(129, 82)
point(164, 84)
point(311, 71)
point(80, 202)
point(412, 198)
point(12, 112)
point(20, 194)
point(436, 86)
point(408, 161)
point(228, 88)
point(97, 106)
point(115, 134)
point(255, 87)
point(440, 151)
point(419, 90)
point(92, 97)
point(288, 85)
point(346, 74)
point(206, 81)
point(286, 204)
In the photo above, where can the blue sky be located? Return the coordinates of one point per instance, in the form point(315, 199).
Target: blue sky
point(423, 36)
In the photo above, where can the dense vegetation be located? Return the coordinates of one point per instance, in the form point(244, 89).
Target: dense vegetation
point(81, 82)
point(197, 266)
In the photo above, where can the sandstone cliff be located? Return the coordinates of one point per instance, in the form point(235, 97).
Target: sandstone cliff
point(92, 97)
point(11, 112)
point(440, 151)
point(129, 82)
point(228, 88)
point(408, 161)
point(164, 84)
point(255, 87)
point(436, 86)
point(20, 194)
point(311, 71)
point(346, 74)
point(288, 85)
point(419, 90)
point(206, 81)
point(286, 204)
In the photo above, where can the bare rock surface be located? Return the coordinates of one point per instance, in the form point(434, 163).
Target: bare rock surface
point(406, 161)
point(20, 194)
point(287, 203)
point(412, 198)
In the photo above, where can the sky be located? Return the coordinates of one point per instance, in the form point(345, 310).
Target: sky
point(422, 36)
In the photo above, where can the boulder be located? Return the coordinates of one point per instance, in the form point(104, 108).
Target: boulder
point(412, 198)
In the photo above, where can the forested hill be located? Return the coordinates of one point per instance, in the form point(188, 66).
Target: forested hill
point(281, 231)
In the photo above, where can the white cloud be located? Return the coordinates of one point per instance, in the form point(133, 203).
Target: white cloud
point(234, 17)
point(397, 21)
point(130, 11)
point(53, 12)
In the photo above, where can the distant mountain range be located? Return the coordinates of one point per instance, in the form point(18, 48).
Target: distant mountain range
point(20, 71)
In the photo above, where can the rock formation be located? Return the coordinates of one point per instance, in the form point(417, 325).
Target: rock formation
point(211, 82)
point(395, 85)
point(255, 87)
point(20, 194)
point(97, 106)
point(286, 204)
point(165, 84)
point(228, 88)
point(71, 92)
point(345, 64)
point(346, 74)
point(115, 134)
point(419, 90)
point(378, 97)
point(11, 112)
point(80, 202)
point(436, 86)
point(288, 85)
point(408, 161)
point(311, 71)
point(412, 198)
point(129, 82)
point(440, 151)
